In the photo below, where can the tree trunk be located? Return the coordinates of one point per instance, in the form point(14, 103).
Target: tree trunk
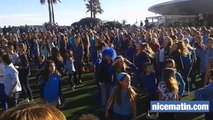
point(91, 8)
point(94, 14)
point(50, 12)
point(91, 14)
point(53, 14)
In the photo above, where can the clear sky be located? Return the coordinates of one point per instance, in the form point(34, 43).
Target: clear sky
point(31, 12)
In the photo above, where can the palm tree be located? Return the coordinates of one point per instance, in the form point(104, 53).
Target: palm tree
point(124, 21)
point(50, 9)
point(89, 7)
point(94, 7)
point(97, 9)
point(53, 14)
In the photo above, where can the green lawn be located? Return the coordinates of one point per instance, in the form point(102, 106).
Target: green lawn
point(85, 100)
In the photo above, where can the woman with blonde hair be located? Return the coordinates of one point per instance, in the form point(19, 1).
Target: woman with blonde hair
point(148, 37)
point(187, 57)
point(154, 44)
point(168, 91)
point(124, 97)
point(164, 53)
point(122, 64)
point(142, 56)
point(33, 112)
point(86, 45)
point(148, 50)
point(194, 56)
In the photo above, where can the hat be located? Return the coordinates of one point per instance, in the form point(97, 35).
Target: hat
point(109, 51)
point(121, 75)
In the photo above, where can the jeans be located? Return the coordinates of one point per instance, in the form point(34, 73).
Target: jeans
point(185, 73)
point(10, 102)
point(86, 56)
point(77, 74)
point(106, 91)
point(202, 76)
point(148, 98)
point(117, 116)
point(3, 97)
point(167, 116)
point(160, 69)
point(209, 116)
point(70, 79)
point(136, 79)
point(27, 93)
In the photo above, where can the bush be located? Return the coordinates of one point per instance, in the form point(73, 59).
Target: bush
point(90, 22)
point(113, 24)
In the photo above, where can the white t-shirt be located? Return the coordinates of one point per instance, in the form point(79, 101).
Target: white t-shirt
point(2, 67)
point(167, 96)
point(9, 78)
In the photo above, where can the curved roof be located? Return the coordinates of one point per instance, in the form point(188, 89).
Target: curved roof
point(183, 7)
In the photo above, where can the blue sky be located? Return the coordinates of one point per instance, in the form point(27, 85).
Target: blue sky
point(31, 12)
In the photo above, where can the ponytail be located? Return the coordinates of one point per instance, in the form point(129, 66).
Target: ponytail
point(169, 79)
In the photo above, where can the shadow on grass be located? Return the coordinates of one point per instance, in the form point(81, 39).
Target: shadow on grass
point(85, 99)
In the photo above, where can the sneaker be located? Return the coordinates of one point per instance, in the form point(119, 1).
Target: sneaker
point(63, 105)
point(185, 93)
point(32, 101)
point(193, 86)
point(27, 100)
point(24, 101)
point(80, 81)
point(72, 88)
point(148, 116)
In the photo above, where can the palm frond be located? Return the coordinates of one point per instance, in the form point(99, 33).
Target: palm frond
point(42, 1)
point(88, 6)
point(55, 1)
point(87, 11)
point(94, 6)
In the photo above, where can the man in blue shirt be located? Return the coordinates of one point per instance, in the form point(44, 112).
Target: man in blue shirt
point(206, 93)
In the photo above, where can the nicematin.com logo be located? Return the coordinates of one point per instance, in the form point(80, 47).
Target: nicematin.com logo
point(179, 106)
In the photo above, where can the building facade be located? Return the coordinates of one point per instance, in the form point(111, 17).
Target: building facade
point(185, 12)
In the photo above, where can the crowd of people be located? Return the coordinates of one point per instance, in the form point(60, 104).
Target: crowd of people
point(162, 63)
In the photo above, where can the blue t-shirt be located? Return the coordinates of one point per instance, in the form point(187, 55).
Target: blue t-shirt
point(206, 54)
point(205, 38)
point(150, 83)
point(206, 94)
point(35, 50)
point(92, 42)
point(51, 88)
point(187, 60)
point(130, 53)
point(125, 107)
point(70, 44)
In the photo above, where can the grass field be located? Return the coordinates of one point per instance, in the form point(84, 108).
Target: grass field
point(85, 100)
